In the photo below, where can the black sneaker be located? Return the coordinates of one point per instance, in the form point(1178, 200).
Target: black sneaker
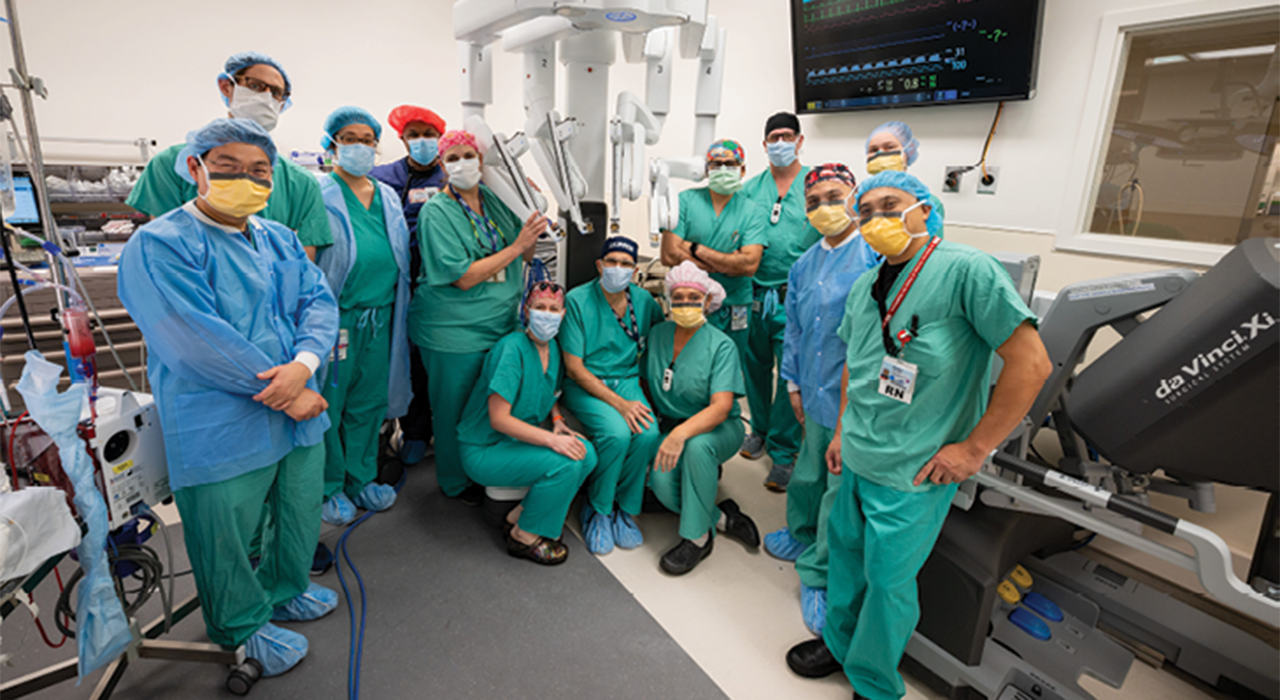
point(737, 525)
point(472, 495)
point(681, 559)
point(812, 659)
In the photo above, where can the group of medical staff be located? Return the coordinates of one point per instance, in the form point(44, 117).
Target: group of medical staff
point(289, 315)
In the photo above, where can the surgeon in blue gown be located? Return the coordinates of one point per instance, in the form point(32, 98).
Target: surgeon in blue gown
point(236, 319)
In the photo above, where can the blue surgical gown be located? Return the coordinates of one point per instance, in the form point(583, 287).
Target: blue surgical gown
point(216, 309)
point(813, 355)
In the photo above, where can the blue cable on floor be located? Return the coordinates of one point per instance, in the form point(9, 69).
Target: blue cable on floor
point(356, 654)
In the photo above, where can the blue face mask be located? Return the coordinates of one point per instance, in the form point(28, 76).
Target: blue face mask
point(781, 153)
point(544, 325)
point(356, 158)
point(615, 279)
point(424, 150)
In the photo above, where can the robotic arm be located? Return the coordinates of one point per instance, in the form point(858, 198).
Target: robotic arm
point(638, 124)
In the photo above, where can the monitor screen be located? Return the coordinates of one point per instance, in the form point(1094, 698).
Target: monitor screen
point(876, 54)
point(26, 212)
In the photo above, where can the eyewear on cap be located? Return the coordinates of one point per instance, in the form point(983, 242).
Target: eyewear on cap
point(278, 93)
point(546, 287)
point(230, 166)
point(352, 139)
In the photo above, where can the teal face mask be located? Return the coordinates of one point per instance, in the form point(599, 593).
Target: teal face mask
point(725, 180)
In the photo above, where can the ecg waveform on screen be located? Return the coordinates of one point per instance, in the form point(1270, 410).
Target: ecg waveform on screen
point(924, 34)
point(828, 14)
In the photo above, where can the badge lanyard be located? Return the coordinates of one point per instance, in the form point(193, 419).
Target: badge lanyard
point(490, 228)
point(632, 329)
point(903, 335)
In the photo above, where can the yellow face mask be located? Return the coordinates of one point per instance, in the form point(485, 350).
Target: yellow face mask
point(830, 219)
point(886, 160)
point(887, 233)
point(688, 315)
point(236, 195)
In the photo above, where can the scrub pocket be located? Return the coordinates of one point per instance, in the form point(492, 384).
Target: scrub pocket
point(215, 427)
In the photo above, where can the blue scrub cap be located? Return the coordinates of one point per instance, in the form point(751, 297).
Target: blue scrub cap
point(621, 244)
point(244, 59)
point(346, 116)
point(220, 132)
point(902, 132)
point(898, 181)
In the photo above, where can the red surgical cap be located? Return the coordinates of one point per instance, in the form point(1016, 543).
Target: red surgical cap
point(405, 115)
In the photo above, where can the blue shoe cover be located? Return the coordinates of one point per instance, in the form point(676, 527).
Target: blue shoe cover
point(412, 451)
point(277, 649)
point(597, 529)
point(782, 545)
point(626, 534)
point(375, 497)
point(813, 607)
point(338, 510)
point(312, 604)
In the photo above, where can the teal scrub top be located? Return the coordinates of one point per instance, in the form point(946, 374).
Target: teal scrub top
point(371, 283)
point(443, 317)
point(295, 196)
point(741, 223)
point(791, 236)
point(967, 307)
point(513, 371)
point(610, 353)
point(707, 365)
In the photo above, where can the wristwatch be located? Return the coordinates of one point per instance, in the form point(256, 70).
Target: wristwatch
point(693, 251)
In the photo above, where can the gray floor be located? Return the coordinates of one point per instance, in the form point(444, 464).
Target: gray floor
point(450, 615)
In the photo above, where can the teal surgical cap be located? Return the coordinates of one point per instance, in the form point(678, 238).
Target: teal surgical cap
point(346, 116)
point(898, 181)
point(220, 132)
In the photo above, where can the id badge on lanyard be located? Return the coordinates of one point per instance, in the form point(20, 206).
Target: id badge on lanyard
point(898, 379)
point(897, 376)
point(668, 375)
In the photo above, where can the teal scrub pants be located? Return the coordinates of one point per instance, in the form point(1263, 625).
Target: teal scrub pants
point(810, 496)
point(218, 522)
point(450, 377)
point(771, 415)
point(624, 457)
point(723, 320)
point(552, 478)
point(690, 489)
point(356, 390)
point(880, 537)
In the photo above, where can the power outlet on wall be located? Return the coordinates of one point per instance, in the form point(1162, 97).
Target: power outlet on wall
point(951, 178)
point(988, 178)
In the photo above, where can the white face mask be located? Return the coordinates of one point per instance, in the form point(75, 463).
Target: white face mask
point(260, 107)
point(464, 174)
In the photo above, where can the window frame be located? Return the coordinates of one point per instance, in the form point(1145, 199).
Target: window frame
point(1101, 102)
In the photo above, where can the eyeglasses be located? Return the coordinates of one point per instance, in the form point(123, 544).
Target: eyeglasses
point(280, 94)
point(230, 166)
point(723, 165)
point(352, 139)
point(788, 136)
point(813, 204)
